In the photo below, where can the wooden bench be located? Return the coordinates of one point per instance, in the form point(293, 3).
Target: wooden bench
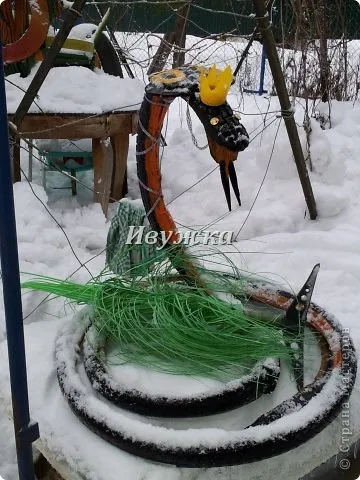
point(109, 156)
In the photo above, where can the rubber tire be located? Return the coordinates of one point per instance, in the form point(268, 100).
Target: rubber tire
point(108, 57)
point(228, 454)
point(261, 380)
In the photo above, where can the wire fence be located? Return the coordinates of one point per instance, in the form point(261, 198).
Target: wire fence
point(318, 42)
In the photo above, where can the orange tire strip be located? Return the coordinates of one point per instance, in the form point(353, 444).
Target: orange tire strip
point(33, 38)
point(158, 110)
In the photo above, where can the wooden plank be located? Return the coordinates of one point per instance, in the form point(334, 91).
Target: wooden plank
point(120, 147)
point(109, 162)
point(59, 465)
point(135, 119)
point(16, 159)
point(75, 126)
point(42, 468)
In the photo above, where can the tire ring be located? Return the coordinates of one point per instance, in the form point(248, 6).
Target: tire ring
point(261, 380)
point(337, 382)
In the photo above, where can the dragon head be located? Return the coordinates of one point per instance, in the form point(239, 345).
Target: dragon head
point(206, 92)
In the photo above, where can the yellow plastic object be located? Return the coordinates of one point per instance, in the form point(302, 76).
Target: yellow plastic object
point(73, 44)
point(215, 86)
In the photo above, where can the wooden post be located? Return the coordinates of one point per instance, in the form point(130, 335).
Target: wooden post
point(15, 150)
point(180, 35)
point(288, 116)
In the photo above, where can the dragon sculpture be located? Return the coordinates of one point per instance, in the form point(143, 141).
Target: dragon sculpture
point(23, 33)
point(307, 412)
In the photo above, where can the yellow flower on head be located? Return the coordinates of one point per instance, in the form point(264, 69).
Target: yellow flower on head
point(215, 86)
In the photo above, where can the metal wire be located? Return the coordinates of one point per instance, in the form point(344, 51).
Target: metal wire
point(189, 124)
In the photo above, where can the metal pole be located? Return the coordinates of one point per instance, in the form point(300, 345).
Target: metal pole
point(245, 52)
point(262, 71)
point(26, 432)
point(261, 90)
point(262, 17)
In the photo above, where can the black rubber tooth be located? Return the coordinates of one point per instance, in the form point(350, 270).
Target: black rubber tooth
point(225, 183)
point(234, 182)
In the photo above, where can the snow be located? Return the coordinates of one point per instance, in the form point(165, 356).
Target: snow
point(275, 240)
point(63, 91)
point(55, 145)
point(83, 31)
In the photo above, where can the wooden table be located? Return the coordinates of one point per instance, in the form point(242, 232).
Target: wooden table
point(110, 145)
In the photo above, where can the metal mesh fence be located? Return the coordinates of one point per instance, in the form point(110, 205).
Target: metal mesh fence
point(218, 32)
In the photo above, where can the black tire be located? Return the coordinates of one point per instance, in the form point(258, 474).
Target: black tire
point(261, 380)
point(108, 57)
point(245, 446)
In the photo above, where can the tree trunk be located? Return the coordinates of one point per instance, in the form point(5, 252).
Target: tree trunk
point(180, 35)
point(323, 54)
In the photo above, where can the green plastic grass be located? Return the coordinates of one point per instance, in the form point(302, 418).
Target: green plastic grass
point(161, 321)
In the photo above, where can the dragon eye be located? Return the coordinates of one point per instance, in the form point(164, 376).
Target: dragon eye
point(214, 121)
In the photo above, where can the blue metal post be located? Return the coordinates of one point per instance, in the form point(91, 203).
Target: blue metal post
point(26, 432)
point(262, 71)
point(262, 75)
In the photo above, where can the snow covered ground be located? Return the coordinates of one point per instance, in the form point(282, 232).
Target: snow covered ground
point(275, 238)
